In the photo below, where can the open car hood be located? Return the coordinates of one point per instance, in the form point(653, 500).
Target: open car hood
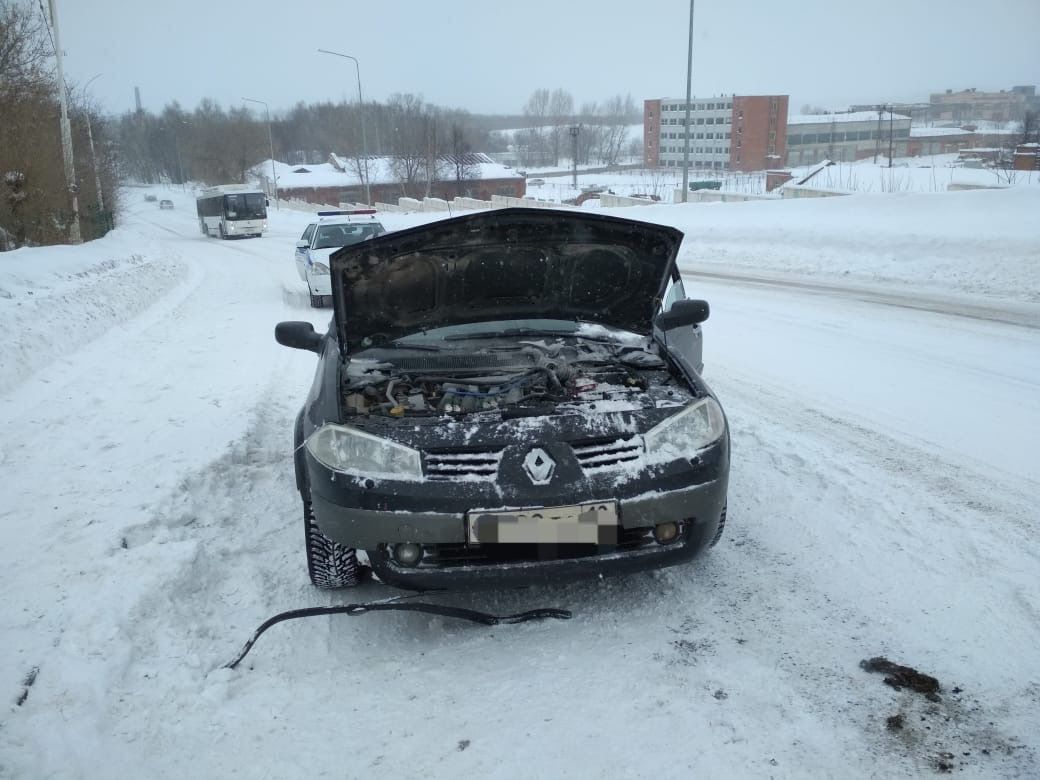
point(503, 264)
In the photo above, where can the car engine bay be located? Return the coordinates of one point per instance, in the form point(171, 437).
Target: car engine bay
point(510, 379)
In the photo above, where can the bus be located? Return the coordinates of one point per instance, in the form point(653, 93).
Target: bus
point(231, 210)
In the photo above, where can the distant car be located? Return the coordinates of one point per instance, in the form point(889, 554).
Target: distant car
point(332, 230)
point(535, 182)
point(508, 398)
point(150, 198)
point(166, 204)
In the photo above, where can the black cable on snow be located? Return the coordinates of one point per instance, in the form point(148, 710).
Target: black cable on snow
point(353, 610)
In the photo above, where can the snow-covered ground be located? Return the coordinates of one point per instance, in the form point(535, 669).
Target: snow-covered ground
point(934, 173)
point(930, 173)
point(879, 360)
point(659, 182)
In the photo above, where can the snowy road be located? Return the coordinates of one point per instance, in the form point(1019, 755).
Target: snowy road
point(882, 503)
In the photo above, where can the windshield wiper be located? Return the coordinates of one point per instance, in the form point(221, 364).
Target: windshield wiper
point(397, 345)
point(491, 334)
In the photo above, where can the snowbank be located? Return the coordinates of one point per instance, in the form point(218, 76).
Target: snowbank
point(975, 242)
point(54, 299)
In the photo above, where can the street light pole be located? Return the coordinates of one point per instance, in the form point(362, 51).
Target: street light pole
point(93, 156)
point(270, 140)
point(66, 131)
point(180, 164)
point(574, 130)
point(686, 121)
point(361, 108)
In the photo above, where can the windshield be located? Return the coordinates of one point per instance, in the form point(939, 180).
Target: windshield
point(344, 235)
point(535, 328)
point(250, 205)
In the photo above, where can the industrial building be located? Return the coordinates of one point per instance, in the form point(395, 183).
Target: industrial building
point(971, 105)
point(857, 135)
point(967, 106)
point(727, 133)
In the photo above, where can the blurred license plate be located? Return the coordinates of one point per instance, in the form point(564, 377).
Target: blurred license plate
point(592, 523)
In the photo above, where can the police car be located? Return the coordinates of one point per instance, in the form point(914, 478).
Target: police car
point(332, 230)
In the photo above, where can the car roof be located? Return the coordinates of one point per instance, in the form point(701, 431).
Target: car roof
point(348, 220)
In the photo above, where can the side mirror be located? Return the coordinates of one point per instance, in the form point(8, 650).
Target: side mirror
point(685, 312)
point(302, 244)
point(298, 335)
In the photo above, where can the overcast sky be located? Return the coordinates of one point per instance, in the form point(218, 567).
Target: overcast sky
point(488, 56)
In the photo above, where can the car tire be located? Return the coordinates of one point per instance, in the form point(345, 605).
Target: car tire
point(721, 528)
point(329, 564)
point(316, 301)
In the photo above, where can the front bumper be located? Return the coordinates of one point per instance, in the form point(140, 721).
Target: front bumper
point(245, 227)
point(363, 517)
point(320, 284)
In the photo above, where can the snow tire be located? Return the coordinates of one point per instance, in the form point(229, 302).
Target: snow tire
point(317, 301)
point(329, 564)
point(722, 527)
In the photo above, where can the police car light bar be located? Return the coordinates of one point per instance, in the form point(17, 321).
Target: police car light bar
point(345, 213)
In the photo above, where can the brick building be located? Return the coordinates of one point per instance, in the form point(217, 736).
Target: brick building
point(734, 133)
point(337, 181)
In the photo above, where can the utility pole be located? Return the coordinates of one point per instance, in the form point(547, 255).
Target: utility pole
point(686, 121)
point(891, 119)
point(574, 130)
point(270, 140)
point(877, 140)
point(66, 131)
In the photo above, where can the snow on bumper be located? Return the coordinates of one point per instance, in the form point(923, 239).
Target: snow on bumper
point(359, 515)
point(320, 284)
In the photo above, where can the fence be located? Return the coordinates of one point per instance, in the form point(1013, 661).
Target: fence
point(715, 196)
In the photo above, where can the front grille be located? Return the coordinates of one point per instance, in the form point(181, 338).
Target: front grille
point(607, 453)
point(444, 465)
point(446, 556)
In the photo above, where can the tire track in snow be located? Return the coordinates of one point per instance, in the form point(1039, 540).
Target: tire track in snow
point(1019, 313)
point(749, 639)
point(879, 536)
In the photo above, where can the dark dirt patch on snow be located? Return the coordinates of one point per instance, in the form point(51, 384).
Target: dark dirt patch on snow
point(949, 733)
point(900, 677)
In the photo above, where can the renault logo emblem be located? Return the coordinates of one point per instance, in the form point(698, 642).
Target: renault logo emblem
point(539, 466)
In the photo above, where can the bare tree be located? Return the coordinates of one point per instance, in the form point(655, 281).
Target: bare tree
point(461, 155)
point(536, 112)
point(561, 109)
point(408, 143)
point(34, 206)
point(23, 49)
point(616, 116)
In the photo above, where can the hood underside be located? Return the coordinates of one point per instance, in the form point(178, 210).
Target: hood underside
point(499, 265)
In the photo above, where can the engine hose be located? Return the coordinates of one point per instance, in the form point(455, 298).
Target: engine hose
point(353, 610)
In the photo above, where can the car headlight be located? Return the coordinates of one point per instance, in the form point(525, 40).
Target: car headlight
point(319, 268)
point(348, 450)
point(681, 435)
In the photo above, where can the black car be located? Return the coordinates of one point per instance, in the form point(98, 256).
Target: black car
point(508, 397)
